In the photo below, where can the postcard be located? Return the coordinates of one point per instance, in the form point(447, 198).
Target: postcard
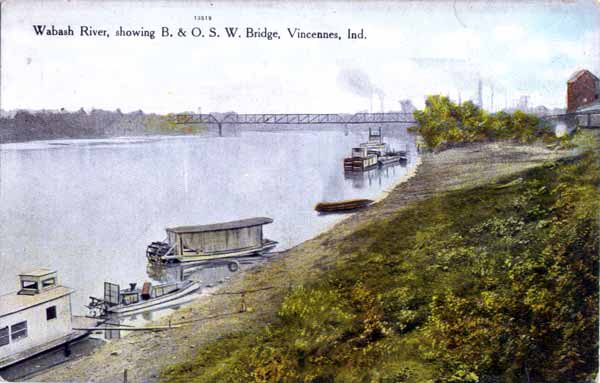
point(299, 191)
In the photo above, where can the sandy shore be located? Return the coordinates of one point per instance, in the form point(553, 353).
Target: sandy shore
point(145, 354)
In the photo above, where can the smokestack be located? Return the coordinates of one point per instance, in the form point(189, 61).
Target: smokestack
point(492, 100)
point(371, 108)
point(459, 99)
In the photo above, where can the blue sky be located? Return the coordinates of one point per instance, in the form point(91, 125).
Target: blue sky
point(412, 49)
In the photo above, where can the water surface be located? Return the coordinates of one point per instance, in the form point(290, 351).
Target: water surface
point(89, 208)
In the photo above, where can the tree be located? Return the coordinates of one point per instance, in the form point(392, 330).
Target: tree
point(443, 122)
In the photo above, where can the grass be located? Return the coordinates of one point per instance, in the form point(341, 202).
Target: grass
point(491, 283)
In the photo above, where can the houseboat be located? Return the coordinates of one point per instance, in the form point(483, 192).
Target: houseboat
point(36, 318)
point(136, 300)
point(360, 160)
point(214, 241)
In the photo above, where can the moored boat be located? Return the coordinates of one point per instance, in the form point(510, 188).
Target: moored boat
point(135, 300)
point(385, 160)
point(36, 318)
point(214, 241)
point(360, 160)
point(346, 205)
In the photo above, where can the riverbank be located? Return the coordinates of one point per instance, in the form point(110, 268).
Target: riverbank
point(145, 355)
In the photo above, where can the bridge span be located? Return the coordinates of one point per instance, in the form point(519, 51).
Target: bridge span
point(298, 118)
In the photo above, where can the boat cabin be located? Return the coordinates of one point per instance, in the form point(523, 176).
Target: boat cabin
point(361, 152)
point(375, 136)
point(219, 237)
point(114, 295)
point(34, 318)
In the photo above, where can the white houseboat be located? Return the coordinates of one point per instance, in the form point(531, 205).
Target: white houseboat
point(36, 318)
point(214, 241)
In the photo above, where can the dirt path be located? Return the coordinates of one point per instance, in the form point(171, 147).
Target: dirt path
point(144, 354)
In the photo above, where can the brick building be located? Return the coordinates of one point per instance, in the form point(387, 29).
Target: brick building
point(582, 88)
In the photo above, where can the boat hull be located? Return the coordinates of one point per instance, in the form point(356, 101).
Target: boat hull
point(150, 304)
point(360, 163)
point(388, 160)
point(326, 207)
point(267, 245)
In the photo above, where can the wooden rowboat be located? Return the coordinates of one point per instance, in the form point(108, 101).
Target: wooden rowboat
point(350, 204)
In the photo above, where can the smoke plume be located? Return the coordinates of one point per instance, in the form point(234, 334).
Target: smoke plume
point(359, 83)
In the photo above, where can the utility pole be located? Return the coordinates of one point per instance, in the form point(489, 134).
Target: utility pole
point(479, 93)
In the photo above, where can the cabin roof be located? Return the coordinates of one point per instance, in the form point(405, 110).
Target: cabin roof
point(221, 226)
point(13, 302)
point(39, 272)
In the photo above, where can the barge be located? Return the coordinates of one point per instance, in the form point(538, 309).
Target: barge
point(386, 160)
point(215, 241)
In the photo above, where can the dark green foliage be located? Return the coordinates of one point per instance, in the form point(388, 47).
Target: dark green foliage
point(493, 284)
point(443, 124)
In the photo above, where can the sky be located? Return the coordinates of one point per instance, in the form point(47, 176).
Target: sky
point(411, 50)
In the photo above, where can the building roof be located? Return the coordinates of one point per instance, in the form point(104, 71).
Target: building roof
point(578, 74)
point(221, 226)
point(40, 272)
point(13, 302)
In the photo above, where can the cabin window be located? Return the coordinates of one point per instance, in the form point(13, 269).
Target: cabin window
point(29, 285)
point(130, 298)
point(48, 282)
point(158, 291)
point(18, 330)
point(51, 313)
point(4, 336)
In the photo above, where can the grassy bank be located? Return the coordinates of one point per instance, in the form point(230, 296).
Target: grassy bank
point(214, 318)
point(496, 282)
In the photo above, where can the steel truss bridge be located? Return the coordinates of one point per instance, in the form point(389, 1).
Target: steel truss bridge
point(307, 118)
point(582, 119)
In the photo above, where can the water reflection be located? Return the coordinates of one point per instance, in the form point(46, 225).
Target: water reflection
point(376, 176)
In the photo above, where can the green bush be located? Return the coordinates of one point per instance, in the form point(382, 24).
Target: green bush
point(443, 123)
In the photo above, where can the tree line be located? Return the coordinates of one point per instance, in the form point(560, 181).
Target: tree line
point(443, 123)
point(45, 125)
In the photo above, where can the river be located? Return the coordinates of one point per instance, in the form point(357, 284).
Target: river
point(89, 208)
